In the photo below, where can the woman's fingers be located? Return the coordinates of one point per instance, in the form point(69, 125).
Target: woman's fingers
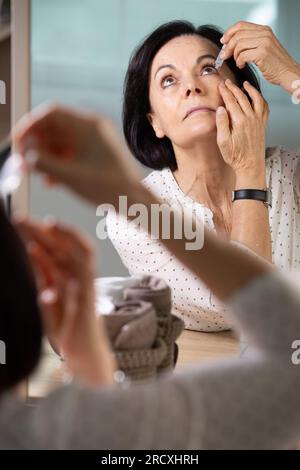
point(50, 182)
point(55, 169)
point(243, 40)
point(41, 264)
point(54, 304)
point(49, 236)
point(70, 235)
point(241, 98)
point(31, 231)
point(48, 302)
point(247, 57)
point(51, 290)
point(240, 135)
point(45, 126)
point(68, 250)
point(79, 150)
point(78, 249)
point(259, 104)
point(241, 26)
point(223, 127)
point(245, 45)
point(71, 311)
point(55, 253)
point(48, 139)
point(231, 104)
point(50, 273)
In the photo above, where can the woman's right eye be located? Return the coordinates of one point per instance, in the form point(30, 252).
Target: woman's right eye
point(165, 83)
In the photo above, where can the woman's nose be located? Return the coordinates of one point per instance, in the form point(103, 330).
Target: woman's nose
point(191, 90)
point(191, 85)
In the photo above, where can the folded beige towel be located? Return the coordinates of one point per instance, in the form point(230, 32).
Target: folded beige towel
point(151, 289)
point(155, 290)
point(131, 325)
point(113, 286)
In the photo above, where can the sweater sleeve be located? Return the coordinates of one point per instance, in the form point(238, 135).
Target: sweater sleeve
point(267, 311)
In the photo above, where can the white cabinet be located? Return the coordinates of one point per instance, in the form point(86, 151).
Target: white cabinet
point(15, 80)
point(5, 79)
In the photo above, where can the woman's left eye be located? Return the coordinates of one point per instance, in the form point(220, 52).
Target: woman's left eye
point(208, 69)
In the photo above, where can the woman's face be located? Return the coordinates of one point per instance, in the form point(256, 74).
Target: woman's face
point(182, 77)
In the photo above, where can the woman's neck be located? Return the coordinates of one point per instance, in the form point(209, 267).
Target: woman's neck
point(203, 174)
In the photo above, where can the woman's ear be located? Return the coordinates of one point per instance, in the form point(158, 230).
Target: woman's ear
point(154, 123)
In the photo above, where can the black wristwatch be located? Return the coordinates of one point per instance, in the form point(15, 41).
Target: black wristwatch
point(263, 195)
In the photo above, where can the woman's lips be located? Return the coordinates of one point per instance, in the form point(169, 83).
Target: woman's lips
point(193, 111)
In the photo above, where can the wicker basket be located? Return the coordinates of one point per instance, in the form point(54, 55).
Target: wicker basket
point(169, 328)
point(141, 364)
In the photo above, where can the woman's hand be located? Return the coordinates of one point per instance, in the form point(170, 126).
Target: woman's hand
point(63, 262)
point(249, 42)
point(52, 137)
point(241, 133)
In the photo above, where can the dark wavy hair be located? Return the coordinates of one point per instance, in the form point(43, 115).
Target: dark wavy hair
point(20, 322)
point(140, 137)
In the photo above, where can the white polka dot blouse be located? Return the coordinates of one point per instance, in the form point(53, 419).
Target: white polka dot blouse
point(192, 301)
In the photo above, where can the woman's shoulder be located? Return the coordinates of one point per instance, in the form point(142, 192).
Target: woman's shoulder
point(280, 151)
point(273, 152)
point(158, 181)
point(282, 159)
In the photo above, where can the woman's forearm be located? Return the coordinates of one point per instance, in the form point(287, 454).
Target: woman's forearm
point(250, 218)
point(221, 266)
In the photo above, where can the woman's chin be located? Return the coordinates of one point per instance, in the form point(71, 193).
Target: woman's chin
point(197, 125)
point(203, 131)
point(197, 132)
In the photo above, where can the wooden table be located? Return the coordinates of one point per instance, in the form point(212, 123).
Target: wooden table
point(194, 346)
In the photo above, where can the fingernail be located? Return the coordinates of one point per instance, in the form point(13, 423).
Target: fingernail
point(221, 110)
point(31, 157)
point(48, 296)
point(222, 39)
point(228, 81)
point(49, 219)
point(30, 142)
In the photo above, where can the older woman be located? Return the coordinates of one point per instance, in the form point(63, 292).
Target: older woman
point(202, 131)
